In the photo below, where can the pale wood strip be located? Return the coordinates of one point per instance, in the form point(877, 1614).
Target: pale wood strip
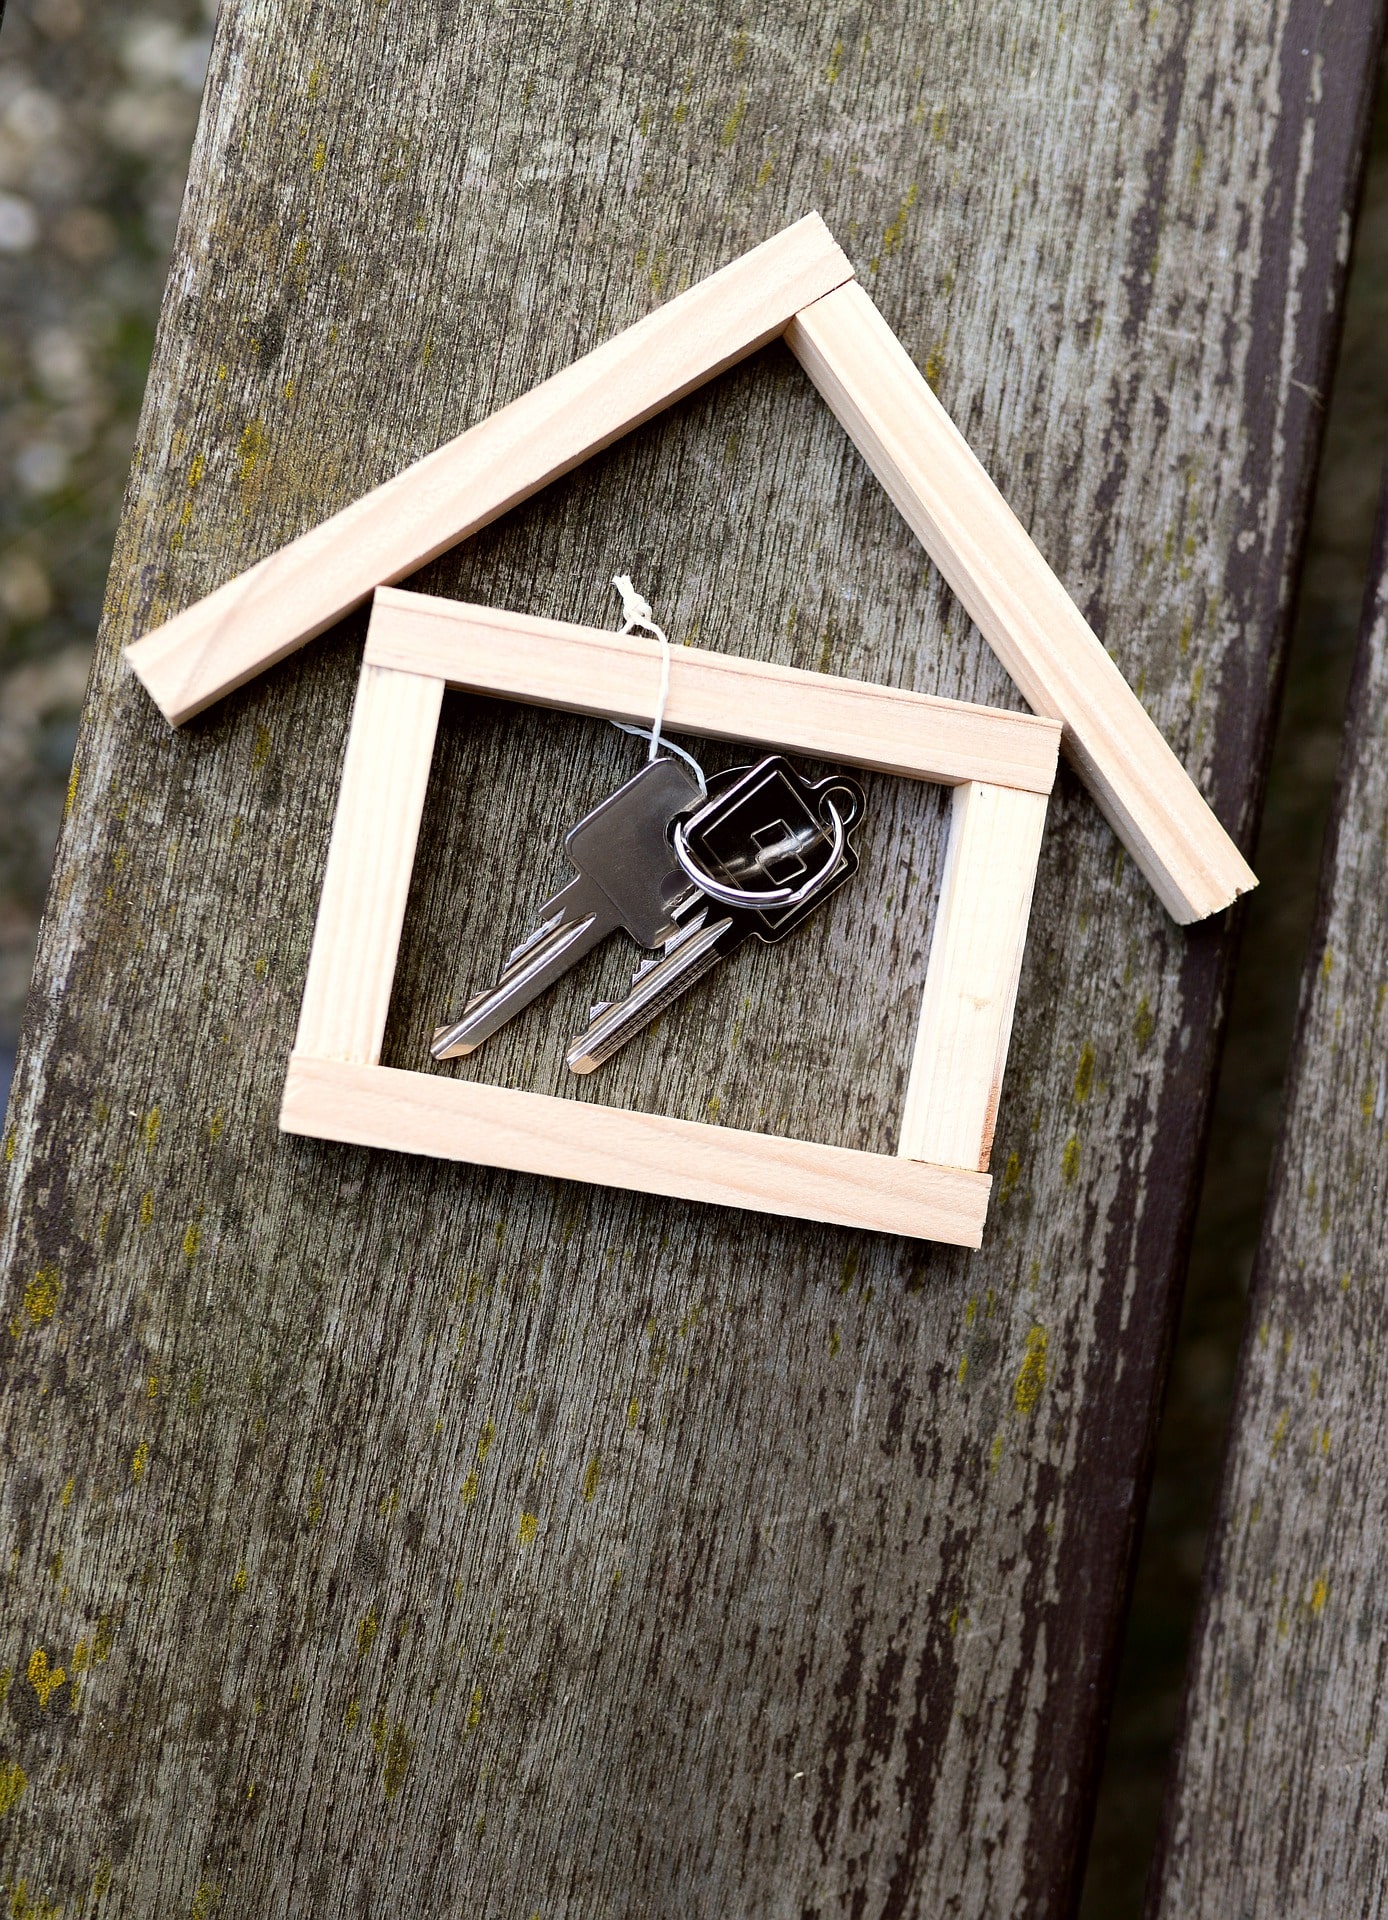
point(370, 857)
point(642, 1152)
point(1021, 608)
point(617, 676)
point(265, 613)
point(971, 981)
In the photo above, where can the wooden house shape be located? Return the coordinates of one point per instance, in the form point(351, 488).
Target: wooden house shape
point(800, 286)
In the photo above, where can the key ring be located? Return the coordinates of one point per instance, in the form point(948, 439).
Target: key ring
point(773, 896)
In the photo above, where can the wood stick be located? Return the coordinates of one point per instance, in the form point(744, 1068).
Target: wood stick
point(641, 1152)
point(971, 980)
point(265, 613)
point(1022, 610)
point(370, 857)
point(617, 676)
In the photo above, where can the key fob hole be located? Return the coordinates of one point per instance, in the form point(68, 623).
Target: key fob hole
point(846, 795)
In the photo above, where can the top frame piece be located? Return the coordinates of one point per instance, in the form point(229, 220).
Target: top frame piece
point(616, 676)
point(800, 285)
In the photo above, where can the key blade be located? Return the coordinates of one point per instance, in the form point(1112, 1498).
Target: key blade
point(584, 916)
point(688, 958)
point(542, 932)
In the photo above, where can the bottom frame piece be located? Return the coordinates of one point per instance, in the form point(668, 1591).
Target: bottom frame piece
point(446, 1119)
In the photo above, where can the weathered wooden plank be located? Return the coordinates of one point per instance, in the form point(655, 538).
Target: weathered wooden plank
point(416, 1537)
point(1277, 1782)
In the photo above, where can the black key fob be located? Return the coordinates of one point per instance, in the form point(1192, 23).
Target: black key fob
point(767, 827)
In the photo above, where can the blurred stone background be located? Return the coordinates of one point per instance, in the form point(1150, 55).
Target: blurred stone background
point(98, 102)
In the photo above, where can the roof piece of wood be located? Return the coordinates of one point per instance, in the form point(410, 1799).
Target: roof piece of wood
point(438, 1536)
point(1279, 1773)
point(288, 597)
point(1023, 612)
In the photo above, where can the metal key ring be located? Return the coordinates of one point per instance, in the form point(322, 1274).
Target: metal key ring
point(773, 896)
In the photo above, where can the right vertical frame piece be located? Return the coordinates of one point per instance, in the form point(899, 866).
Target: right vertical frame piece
point(971, 979)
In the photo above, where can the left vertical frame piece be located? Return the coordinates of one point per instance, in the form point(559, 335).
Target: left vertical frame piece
point(366, 883)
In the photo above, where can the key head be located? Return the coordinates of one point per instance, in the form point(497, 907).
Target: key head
point(623, 846)
point(768, 826)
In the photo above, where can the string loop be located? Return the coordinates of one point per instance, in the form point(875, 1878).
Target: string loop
point(637, 617)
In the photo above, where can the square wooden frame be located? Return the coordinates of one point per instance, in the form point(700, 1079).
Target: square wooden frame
point(1001, 766)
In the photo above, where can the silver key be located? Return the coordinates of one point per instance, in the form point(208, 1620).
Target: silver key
point(755, 823)
point(627, 877)
point(690, 953)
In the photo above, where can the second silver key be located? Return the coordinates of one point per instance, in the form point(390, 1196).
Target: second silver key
point(627, 877)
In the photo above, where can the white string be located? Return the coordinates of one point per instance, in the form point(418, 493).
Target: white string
point(637, 617)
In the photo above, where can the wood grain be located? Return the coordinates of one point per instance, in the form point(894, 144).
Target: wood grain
point(1278, 1780)
point(639, 1152)
point(292, 595)
point(616, 676)
point(971, 982)
point(1021, 609)
point(356, 934)
point(443, 1538)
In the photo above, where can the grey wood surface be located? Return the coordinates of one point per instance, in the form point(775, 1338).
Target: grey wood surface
point(412, 1538)
point(1276, 1803)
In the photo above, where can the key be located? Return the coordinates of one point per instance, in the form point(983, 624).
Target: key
point(627, 877)
point(762, 829)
